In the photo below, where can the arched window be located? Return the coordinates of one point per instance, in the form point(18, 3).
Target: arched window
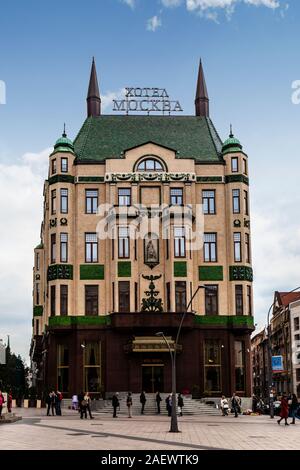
point(150, 164)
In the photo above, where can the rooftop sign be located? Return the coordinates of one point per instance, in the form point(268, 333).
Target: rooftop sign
point(147, 100)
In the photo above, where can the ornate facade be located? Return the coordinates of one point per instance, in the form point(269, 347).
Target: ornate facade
point(99, 301)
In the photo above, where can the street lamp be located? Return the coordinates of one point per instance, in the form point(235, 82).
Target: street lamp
point(174, 423)
point(270, 371)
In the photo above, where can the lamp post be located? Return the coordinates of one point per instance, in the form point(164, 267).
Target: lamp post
point(270, 371)
point(174, 422)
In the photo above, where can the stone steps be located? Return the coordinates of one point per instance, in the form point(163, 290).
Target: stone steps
point(9, 418)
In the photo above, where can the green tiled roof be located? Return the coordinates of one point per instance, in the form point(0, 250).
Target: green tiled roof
point(108, 136)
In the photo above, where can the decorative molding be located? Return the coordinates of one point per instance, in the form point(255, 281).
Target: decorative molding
point(240, 273)
point(79, 320)
point(247, 223)
point(211, 273)
point(237, 223)
point(148, 176)
point(209, 179)
point(60, 271)
point(180, 269)
point(53, 222)
point(124, 268)
point(91, 272)
point(61, 179)
point(37, 277)
point(152, 303)
point(63, 221)
point(225, 320)
point(38, 311)
point(237, 179)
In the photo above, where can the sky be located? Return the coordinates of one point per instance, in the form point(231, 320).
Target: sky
point(250, 54)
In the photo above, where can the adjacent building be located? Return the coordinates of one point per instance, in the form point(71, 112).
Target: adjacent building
point(99, 301)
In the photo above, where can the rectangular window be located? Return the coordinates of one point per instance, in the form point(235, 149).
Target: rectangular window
point(136, 296)
point(297, 337)
point(92, 367)
point(239, 308)
point(249, 300)
point(64, 201)
point(53, 248)
point(63, 368)
point(52, 300)
point(168, 289)
point(113, 296)
point(211, 300)
point(124, 197)
point(245, 170)
point(123, 242)
point(91, 201)
point(180, 296)
point(237, 247)
point(176, 197)
point(212, 365)
point(209, 201)
point(91, 248)
point(91, 300)
point(246, 206)
point(234, 164)
point(124, 296)
point(239, 352)
point(210, 247)
point(37, 261)
point(298, 374)
point(167, 246)
point(53, 201)
point(296, 323)
point(37, 294)
point(37, 327)
point(63, 300)
point(53, 166)
point(179, 242)
point(64, 165)
point(63, 247)
point(247, 244)
point(236, 207)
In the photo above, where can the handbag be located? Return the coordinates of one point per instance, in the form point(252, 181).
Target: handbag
point(84, 403)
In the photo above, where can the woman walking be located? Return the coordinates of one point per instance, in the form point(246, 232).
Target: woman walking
point(284, 410)
point(87, 398)
point(129, 404)
point(224, 406)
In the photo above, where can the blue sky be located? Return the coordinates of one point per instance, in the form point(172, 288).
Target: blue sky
point(250, 55)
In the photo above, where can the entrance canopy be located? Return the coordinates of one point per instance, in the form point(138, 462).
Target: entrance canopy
point(151, 344)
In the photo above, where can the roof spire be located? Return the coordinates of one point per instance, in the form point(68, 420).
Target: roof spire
point(231, 133)
point(93, 96)
point(64, 132)
point(201, 100)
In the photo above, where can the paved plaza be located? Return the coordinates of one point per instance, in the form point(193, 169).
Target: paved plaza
point(38, 432)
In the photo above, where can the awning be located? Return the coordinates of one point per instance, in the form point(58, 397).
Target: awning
point(151, 344)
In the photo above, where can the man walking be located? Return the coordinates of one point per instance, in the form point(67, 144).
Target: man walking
point(180, 403)
point(143, 400)
point(158, 400)
point(129, 404)
point(235, 405)
point(115, 403)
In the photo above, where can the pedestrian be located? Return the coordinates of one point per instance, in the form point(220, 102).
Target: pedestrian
point(169, 404)
point(115, 403)
point(224, 406)
point(9, 401)
point(129, 404)
point(180, 403)
point(143, 400)
point(2, 401)
point(87, 398)
point(294, 407)
point(235, 404)
point(50, 401)
point(58, 400)
point(82, 405)
point(75, 402)
point(158, 399)
point(284, 410)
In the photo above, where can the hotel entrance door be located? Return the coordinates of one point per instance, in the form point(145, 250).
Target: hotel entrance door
point(153, 378)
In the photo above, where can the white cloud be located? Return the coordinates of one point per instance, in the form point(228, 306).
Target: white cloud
point(130, 3)
point(21, 189)
point(153, 23)
point(210, 8)
point(107, 99)
point(171, 3)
